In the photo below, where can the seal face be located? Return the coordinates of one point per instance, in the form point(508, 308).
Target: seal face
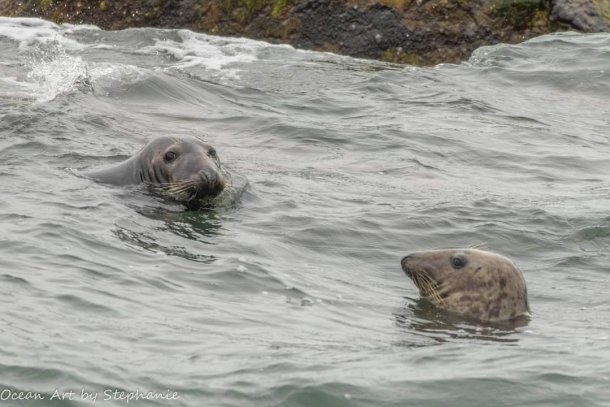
point(185, 169)
point(474, 283)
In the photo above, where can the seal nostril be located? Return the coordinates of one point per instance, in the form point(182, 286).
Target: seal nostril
point(212, 182)
point(406, 259)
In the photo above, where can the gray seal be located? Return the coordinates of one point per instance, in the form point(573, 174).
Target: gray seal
point(474, 283)
point(185, 169)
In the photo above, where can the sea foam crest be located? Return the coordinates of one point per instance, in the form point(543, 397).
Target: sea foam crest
point(196, 50)
point(53, 64)
point(29, 31)
point(51, 70)
point(56, 72)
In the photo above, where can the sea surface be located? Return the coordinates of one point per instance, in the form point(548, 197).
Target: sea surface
point(293, 294)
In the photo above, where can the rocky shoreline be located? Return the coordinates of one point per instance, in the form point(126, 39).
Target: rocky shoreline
point(420, 32)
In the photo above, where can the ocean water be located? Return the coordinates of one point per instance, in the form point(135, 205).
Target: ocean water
point(293, 295)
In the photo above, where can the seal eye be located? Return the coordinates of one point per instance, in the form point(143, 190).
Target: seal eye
point(457, 262)
point(212, 153)
point(170, 156)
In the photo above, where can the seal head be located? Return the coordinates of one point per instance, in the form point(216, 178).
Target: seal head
point(474, 283)
point(185, 169)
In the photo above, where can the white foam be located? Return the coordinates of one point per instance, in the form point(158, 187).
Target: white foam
point(212, 53)
point(51, 70)
point(55, 72)
point(192, 50)
point(56, 66)
point(28, 31)
point(74, 28)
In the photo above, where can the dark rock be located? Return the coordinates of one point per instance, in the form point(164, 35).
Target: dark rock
point(363, 32)
point(583, 15)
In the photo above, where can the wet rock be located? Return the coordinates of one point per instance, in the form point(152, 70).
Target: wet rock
point(357, 31)
point(583, 15)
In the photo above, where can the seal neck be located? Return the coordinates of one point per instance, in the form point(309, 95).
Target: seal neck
point(124, 173)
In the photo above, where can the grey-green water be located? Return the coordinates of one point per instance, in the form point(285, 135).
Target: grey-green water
point(294, 296)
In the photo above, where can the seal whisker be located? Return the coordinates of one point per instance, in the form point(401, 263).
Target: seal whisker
point(188, 190)
point(181, 187)
point(181, 191)
point(415, 278)
point(436, 295)
point(426, 288)
point(430, 287)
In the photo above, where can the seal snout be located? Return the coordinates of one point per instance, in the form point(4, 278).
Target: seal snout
point(212, 181)
point(404, 263)
point(405, 260)
point(407, 257)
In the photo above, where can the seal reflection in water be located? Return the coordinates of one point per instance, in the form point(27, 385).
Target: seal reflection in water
point(185, 169)
point(473, 283)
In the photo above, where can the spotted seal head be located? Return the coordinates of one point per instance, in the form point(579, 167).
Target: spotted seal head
point(185, 169)
point(474, 283)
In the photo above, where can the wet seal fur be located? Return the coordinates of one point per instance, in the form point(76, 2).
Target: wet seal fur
point(185, 169)
point(473, 283)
